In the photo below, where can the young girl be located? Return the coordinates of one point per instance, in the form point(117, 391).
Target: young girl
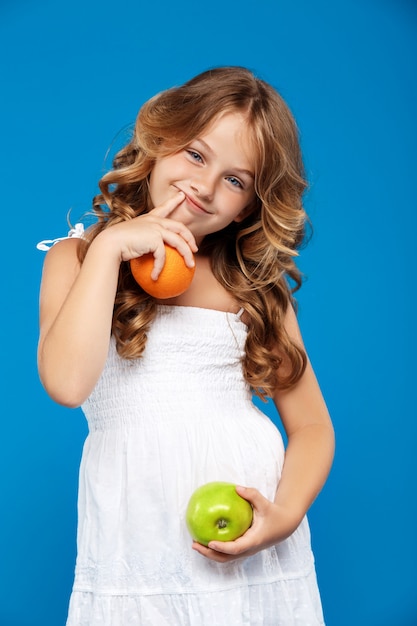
point(213, 169)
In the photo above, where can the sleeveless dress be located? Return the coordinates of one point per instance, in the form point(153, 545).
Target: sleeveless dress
point(159, 427)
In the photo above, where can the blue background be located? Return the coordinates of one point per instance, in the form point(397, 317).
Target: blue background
point(72, 75)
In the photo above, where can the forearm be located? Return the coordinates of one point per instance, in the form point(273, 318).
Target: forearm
point(73, 350)
point(308, 460)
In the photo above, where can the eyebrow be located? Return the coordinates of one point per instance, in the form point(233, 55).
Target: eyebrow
point(235, 169)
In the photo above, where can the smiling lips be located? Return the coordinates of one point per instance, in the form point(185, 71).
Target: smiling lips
point(195, 205)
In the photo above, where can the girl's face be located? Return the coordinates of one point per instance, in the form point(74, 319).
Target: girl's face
point(216, 174)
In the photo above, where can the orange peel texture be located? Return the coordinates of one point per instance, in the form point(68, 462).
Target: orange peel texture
point(174, 279)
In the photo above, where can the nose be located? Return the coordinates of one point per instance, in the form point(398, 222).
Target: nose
point(203, 184)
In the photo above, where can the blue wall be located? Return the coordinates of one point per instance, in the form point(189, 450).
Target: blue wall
point(73, 74)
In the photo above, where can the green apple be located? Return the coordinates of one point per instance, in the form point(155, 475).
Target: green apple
point(215, 512)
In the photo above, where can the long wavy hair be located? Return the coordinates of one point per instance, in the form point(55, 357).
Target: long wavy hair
point(253, 259)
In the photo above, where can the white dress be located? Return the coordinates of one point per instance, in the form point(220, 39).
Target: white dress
point(159, 427)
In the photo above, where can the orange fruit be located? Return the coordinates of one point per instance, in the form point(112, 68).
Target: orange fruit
point(174, 279)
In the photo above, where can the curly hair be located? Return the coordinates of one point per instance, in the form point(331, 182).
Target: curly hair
point(253, 259)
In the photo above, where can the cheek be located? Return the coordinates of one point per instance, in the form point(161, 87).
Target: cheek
point(238, 206)
point(164, 171)
point(156, 196)
point(156, 180)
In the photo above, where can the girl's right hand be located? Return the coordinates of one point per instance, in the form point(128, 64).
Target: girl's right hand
point(149, 232)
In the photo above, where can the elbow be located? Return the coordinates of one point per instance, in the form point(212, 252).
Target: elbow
point(67, 400)
point(329, 443)
point(64, 391)
point(65, 382)
point(65, 397)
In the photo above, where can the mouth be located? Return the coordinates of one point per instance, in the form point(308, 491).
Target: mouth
point(195, 206)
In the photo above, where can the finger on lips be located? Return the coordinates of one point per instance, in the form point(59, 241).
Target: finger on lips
point(169, 205)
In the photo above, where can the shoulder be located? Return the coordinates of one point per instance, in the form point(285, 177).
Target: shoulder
point(65, 251)
point(61, 265)
point(60, 270)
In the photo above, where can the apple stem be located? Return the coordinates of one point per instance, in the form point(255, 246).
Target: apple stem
point(221, 523)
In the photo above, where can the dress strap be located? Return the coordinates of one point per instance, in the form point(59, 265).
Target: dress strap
point(240, 312)
point(77, 232)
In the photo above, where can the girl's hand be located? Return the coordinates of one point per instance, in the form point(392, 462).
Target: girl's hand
point(149, 232)
point(271, 524)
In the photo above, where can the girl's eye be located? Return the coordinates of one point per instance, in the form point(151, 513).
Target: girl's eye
point(234, 181)
point(194, 155)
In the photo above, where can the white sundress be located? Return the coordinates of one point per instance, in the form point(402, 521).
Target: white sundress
point(159, 427)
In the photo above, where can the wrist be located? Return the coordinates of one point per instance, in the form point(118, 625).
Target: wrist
point(106, 248)
point(291, 509)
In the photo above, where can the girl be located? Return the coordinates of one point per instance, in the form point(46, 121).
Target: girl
point(214, 170)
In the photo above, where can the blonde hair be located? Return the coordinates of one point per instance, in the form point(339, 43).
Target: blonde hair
point(254, 259)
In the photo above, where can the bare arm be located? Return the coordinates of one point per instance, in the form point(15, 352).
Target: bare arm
point(76, 302)
point(310, 448)
point(308, 460)
point(76, 305)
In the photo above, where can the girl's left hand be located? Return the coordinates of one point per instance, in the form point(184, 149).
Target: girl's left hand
point(271, 524)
